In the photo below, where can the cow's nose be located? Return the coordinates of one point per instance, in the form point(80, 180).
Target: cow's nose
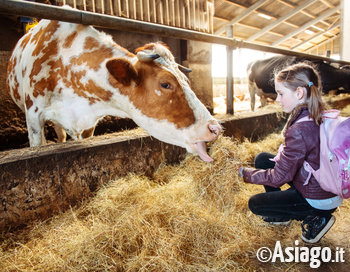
point(214, 128)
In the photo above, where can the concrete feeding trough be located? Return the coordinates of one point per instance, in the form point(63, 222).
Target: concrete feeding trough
point(36, 183)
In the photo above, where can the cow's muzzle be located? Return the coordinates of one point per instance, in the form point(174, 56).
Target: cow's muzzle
point(214, 130)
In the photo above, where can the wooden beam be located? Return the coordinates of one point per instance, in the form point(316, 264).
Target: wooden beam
point(250, 26)
point(242, 15)
point(327, 3)
point(261, 12)
point(315, 36)
point(305, 26)
point(305, 12)
point(280, 20)
point(320, 44)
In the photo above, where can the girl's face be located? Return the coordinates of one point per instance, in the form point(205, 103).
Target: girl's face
point(288, 98)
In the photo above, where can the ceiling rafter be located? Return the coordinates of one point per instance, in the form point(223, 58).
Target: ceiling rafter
point(249, 26)
point(305, 12)
point(276, 32)
point(315, 36)
point(280, 20)
point(241, 16)
point(307, 25)
point(330, 5)
point(320, 44)
point(256, 11)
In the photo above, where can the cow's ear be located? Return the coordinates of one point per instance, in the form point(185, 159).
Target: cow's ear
point(122, 70)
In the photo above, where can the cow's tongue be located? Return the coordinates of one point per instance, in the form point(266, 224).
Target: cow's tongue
point(202, 151)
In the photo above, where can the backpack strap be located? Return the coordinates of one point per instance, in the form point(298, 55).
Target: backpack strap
point(304, 119)
point(308, 168)
point(306, 165)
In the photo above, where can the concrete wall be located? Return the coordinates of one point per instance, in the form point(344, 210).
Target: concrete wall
point(199, 60)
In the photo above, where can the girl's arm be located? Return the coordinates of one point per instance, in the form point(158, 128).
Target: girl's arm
point(291, 159)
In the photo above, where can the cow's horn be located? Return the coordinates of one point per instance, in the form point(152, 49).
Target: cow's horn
point(184, 69)
point(142, 56)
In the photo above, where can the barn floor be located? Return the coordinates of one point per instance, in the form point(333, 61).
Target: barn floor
point(192, 216)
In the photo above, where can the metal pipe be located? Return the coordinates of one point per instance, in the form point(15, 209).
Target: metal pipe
point(30, 9)
point(229, 76)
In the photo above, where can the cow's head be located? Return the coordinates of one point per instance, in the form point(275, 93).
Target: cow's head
point(162, 101)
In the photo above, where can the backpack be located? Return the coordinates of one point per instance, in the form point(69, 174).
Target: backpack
point(334, 172)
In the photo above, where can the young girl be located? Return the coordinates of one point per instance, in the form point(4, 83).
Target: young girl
point(298, 90)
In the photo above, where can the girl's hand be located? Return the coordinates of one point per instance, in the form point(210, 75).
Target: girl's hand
point(240, 172)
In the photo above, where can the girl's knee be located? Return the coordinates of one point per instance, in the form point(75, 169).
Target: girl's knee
point(262, 161)
point(254, 204)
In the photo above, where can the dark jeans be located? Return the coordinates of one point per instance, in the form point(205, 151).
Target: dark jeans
point(288, 204)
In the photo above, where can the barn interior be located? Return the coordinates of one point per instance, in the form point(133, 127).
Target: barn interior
point(198, 34)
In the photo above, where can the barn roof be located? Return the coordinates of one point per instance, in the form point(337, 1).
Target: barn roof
point(299, 25)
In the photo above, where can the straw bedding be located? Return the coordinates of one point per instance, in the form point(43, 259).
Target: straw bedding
point(188, 217)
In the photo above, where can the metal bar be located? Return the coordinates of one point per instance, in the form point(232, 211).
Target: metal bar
point(229, 76)
point(31, 9)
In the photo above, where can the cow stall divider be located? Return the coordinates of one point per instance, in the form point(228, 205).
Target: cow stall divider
point(36, 183)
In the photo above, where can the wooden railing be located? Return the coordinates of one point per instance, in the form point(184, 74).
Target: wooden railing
point(188, 14)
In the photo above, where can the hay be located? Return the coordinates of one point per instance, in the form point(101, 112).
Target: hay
point(189, 217)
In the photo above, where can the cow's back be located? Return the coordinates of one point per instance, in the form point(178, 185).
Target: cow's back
point(55, 57)
point(262, 71)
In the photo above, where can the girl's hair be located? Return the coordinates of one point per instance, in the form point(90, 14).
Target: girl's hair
point(305, 75)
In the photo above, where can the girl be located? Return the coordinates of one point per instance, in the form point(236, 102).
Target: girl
point(298, 90)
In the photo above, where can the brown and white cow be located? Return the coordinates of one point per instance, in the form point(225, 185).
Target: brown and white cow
point(74, 75)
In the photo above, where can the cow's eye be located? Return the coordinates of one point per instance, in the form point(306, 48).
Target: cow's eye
point(165, 85)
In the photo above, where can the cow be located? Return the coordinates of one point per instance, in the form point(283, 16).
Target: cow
point(73, 75)
point(261, 76)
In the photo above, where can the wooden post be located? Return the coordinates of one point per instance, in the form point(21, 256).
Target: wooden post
point(108, 7)
point(139, 14)
point(146, 10)
point(102, 6)
point(79, 4)
point(177, 13)
point(117, 8)
point(182, 14)
point(188, 15)
point(211, 18)
point(153, 11)
point(172, 12)
point(166, 12)
point(229, 76)
point(93, 6)
point(159, 9)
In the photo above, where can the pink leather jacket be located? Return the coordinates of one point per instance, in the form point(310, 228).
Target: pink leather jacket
point(302, 142)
